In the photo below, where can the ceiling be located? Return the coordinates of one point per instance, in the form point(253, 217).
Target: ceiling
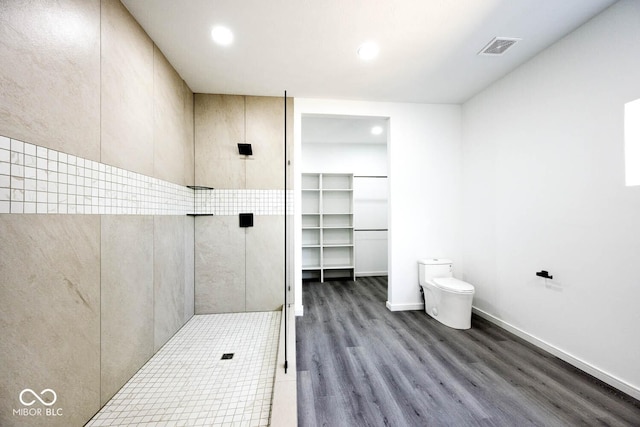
point(428, 48)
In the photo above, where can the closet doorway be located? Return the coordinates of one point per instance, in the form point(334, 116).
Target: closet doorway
point(344, 227)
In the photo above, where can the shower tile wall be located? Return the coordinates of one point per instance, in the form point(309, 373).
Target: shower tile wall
point(168, 299)
point(50, 75)
point(219, 126)
point(97, 255)
point(127, 124)
point(50, 314)
point(265, 131)
point(172, 124)
point(264, 257)
point(40, 180)
point(35, 179)
point(239, 269)
point(233, 202)
point(220, 265)
point(101, 124)
point(127, 326)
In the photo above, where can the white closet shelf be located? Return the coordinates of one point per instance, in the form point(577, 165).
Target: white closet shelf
point(327, 202)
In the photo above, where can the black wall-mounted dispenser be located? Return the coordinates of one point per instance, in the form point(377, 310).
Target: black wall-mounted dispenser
point(545, 274)
point(246, 220)
point(245, 149)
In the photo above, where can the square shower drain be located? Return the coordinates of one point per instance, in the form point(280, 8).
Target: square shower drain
point(227, 356)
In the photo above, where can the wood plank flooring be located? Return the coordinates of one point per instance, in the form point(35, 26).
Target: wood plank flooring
point(360, 364)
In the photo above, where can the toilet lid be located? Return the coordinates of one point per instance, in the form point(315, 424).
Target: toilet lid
point(454, 285)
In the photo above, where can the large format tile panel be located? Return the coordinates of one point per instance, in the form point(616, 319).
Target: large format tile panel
point(127, 299)
point(265, 264)
point(220, 265)
point(189, 264)
point(50, 316)
point(169, 135)
point(188, 131)
point(127, 91)
point(50, 78)
point(219, 127)
point(265, 132)
point(168, 277)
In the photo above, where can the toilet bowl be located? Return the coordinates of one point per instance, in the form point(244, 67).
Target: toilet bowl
point(446, 299)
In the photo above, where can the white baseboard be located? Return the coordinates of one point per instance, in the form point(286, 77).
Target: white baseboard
point(405, 307)
point(370, 273)
point(578, 363)
point(299, 310)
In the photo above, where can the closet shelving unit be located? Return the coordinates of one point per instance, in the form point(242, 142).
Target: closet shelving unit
point(327, 226)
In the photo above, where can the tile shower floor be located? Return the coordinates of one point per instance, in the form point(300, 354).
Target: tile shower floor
point(187, 383)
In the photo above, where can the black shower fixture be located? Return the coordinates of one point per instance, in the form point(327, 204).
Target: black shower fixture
point(246, 220)
point(245, 149)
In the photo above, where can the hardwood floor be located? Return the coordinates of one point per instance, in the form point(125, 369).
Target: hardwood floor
point(360, 364)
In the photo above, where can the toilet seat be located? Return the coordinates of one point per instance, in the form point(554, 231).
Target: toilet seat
point(451, 284)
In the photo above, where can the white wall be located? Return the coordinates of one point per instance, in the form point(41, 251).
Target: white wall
point(424, 184)
point(359, 159)
point(544, 188)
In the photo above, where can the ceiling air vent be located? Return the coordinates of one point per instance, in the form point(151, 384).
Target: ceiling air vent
point(498, 46)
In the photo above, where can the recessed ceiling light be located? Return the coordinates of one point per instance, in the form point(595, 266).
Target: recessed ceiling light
point(368, 51)
point(222, 35)
point(376, 130)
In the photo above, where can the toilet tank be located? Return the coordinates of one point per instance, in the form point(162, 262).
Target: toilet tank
point(434, 267)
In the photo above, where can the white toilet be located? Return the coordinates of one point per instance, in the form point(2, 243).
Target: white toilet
point(446, 299)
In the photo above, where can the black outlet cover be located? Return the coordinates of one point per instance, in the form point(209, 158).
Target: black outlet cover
point(246, 220)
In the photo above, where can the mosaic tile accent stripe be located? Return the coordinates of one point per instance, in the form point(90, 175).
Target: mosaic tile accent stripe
point(38, 180)
point(233, 202)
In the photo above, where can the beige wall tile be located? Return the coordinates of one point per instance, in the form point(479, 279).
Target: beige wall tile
point(220, 261)
point(50, 77)
point(50, 314)
point(53, 55)
point(127, 91)
point(127, 299)
point(168, 277)
point(290, 150)
point(265, 264)
point(220, 123)
point(168, 134)
point(189, 267)
point(219, 127)
point(189, 141)
point(265, 133)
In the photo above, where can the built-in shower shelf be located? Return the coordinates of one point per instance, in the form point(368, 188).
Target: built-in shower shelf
point(199, 187)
